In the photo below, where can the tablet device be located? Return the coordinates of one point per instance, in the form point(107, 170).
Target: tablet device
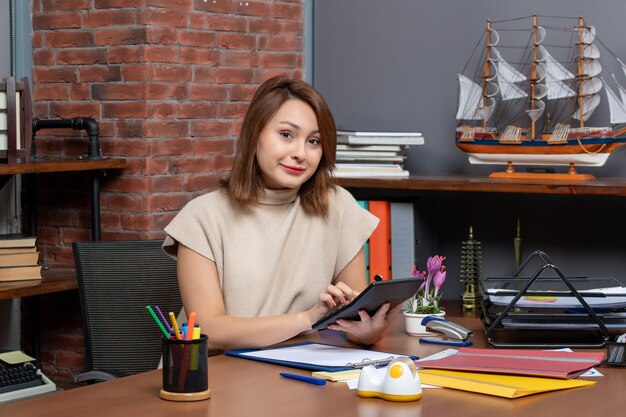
point(396, 291)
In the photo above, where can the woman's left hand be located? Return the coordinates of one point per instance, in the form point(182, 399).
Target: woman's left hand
point(368, 330)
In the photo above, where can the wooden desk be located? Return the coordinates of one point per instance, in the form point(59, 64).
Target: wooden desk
point(54, 280)
point(241, 387)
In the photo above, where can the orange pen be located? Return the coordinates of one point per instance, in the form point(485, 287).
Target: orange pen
point(191, 323)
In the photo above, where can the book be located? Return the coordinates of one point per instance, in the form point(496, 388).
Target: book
point(368, 167)
point(19, 273)
point(17, 240)
point(392, 159)
point(379, 138)
point(371, 174)
point(378, 134)
point(19, 259)
point(380, 243)
point(371, 148)
point(366, 246)
point(402, 239)
point(6, 251)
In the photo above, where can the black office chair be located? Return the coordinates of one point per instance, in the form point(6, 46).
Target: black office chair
point(116, 281)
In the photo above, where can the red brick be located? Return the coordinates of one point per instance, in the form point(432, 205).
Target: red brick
point(238, 59)
point(133, 166)
point(198, 56)
point(156, 91)
point(202, 74)
point(113, 4)
point(154, 53)
point(226, 23)
point(70, 360)
point(100, 73)
point(128, 147)
point(38, 40)
point(58, 218)
point(251, 8)
point(81, 92)
point(123, 202)
point(126, 36)
point(265, 74)
point(184, 165)
point(198, 21)
point(129, 128)
point(65, 4)
point(124, 235)
point(166, 129)
point(51, 92)
point(106, 18)
point(222, 163)
point(163, 17)
point(207, 92)
point(213, 146)
point(232, 110)
point(295, 27)
point(234, 75)
point(126, 184)
point(162, 184)
point(110, 220)
point(140, 72)
point(57, 21)
point(207, 129)
point(162, 35)
point(161, 110)
point(284, 43)
point(198, 110)
point(111, 91)
point(178, 91)
point(126, 109)
point(172, 4)
point(165, 202)
point(156, 166)
point(174, 73)
point(237, 41)
point(225, 7)
point(135, 221)
point(75, 235)
point(43, 57)
point(82, 56)
point(242, 92)
point(125, 54)
point(287, 11)
point(174, 147)
point(54, 75)
point(201, 182)
point(64, 39)
point(69, 110)
point(48, 235)
point(160, 220)
point(278, 60)
point(197, 38)
point(264, 25)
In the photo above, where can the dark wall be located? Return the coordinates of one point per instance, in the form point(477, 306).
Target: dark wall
point(392, 65)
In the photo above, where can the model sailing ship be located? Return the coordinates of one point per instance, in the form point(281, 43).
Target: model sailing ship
point(537, 112)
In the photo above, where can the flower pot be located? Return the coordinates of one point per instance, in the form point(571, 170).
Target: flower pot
point(414, 325)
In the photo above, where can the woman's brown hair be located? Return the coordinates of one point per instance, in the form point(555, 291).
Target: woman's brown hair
point(244, 183)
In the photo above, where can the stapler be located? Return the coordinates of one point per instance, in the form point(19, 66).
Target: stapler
point(457, 335)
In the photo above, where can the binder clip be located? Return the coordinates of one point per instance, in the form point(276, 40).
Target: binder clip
point(399, 381)
point(457, 335)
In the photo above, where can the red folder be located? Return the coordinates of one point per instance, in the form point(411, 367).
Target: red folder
point(380, 241)
point(546, 363)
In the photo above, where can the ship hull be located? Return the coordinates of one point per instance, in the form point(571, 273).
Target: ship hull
point(584, 152)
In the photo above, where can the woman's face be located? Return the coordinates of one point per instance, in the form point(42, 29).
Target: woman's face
point(289, 148)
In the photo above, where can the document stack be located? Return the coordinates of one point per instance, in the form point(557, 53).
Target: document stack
point(18, 258)
point(373, 154)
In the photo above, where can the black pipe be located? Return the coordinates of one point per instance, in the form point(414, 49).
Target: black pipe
point(87, 124)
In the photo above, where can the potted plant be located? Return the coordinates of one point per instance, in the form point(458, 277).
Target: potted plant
point(425, 302)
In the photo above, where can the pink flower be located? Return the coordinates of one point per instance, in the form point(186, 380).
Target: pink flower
point(438, 281)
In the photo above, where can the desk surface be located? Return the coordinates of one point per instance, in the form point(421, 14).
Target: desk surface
point(53, 281)
point(242, 387)
point(62, 165)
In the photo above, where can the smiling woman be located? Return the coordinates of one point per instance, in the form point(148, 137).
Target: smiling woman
point(279, 245)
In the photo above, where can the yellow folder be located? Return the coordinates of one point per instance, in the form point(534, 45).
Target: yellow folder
point(507, 386)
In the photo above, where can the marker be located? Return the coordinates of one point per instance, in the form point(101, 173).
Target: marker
point(175, 325)
point(191, 321)
point(158, 322)
point(167, 326)
point(307, 379)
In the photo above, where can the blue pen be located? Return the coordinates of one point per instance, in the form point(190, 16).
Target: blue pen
point(307, 379)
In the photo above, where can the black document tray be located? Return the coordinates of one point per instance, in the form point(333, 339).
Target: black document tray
point(590, 310)
point(396, 291)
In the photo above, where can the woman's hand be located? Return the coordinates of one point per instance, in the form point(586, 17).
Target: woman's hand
point(333, 297)
point(368, 330)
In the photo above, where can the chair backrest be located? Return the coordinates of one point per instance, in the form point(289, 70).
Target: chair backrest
point(116, 281)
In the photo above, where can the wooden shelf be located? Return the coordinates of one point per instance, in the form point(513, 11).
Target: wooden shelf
point(609, 186)
point(54, 280)
point(62, 165)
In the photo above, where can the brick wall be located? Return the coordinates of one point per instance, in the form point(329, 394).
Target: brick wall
point(169, 82)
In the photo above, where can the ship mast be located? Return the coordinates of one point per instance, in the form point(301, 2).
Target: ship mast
point(533, 77)
point(486, 71)
point(581, 59)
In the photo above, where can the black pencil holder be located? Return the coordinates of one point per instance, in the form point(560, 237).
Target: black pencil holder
point(615, 354)
point(185, 369)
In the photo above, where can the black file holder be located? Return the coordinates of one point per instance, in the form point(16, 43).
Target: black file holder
point(512, 320)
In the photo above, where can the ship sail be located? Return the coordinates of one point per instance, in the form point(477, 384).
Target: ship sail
point(617, 110)
point(470, 98)
point(590, 86)
point(553, 73)
point(507, 76)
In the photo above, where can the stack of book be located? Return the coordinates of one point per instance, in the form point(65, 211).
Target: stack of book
point(18, 258)
point(373, 154)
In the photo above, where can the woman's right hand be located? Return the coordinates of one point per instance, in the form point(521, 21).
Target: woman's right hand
point(333, 297)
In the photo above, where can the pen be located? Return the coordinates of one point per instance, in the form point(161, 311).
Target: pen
point(307, 379)
point(191, 321)
point(167, 326)
point(158, 322)
point(175, 325)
